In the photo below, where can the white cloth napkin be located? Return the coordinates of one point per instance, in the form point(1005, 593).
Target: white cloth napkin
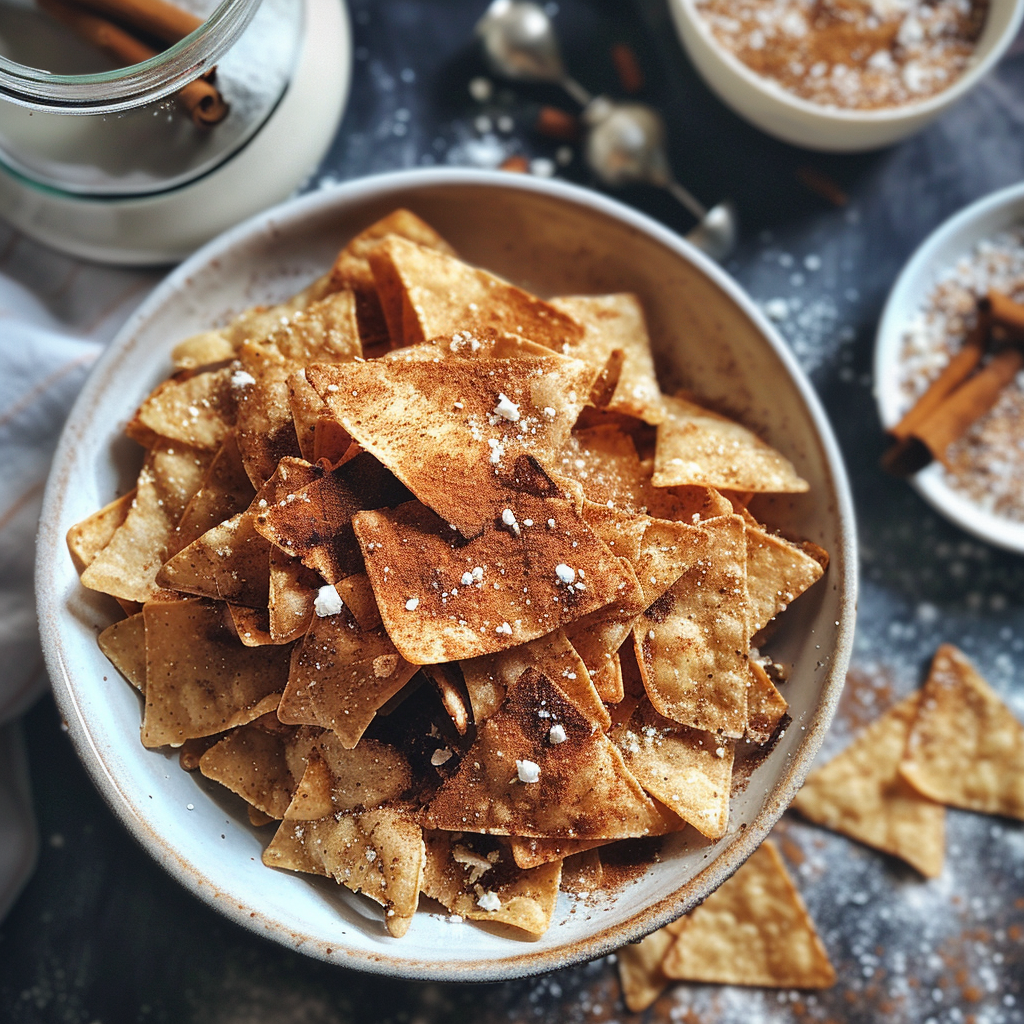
point(56, 315)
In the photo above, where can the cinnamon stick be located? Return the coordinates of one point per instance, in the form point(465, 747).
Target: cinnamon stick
point(157, 18)
point(959, 368)
point(202, 101)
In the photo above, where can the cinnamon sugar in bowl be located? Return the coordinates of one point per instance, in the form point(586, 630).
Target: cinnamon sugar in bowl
point(844, 75)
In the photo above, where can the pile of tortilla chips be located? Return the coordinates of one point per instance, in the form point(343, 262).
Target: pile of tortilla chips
point(954, 742)
point(429, 572)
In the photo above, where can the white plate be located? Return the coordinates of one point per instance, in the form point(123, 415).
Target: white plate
point(934, 258)
point(557, 239)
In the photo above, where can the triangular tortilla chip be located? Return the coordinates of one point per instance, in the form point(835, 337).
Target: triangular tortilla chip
point(778, 572)
point(692, 642)
point(531, 853)
point(475, 877)
point(124, 643)
point(766, 707)
point(341, 676)
point(455, 432)
point(687, 770)
point(357, 594)
point(965, 747)
point(608, 679)
point(448, 682)
point(582, 789)
point(197, 409)
point(665, 554)
point(292, 595)
point(697, 446)
point(621, 531)
point(89, 537)
point(314, 523)
point(203, 349)
point(127, 567)
point(199, 679)
point(308, 408)
point(862, 794)
point(262, 765)
point(614, 330)
point(252, 625)
point(226, 490)
point(352, 269)
point(441, 295)
point(640, 971)
point(753, 930)
point(605, 462)
point(488, 678)
point(445, 599)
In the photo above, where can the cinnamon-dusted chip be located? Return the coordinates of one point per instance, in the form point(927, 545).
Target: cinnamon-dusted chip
point(531, 853)
point(197, 410)
point(753, 930)
point(88, 538)
point(665, 554)
point(341, 676)
point(687, 770)
point(778, 572)
point(605, 462)
point(262, 766)
point(621, 531)
point(640, 971)
point(489, 677)
point(521, 778)
point(862, 794)
point(697, 446)
point(357, 594)
point(475, 877)
point(127, 567)
point(692, 642)
point(454, 432)
point(314, 522)
point(287, 850)
point(445, 599)
point(307, 408)
point(765, 705)
point(608, 679)
point(965, 746)
point(292, 594)
point(352, 269)
point(583, 872)
point(225, 491)
point(441, 295)
point(124, 643)
point(452, 690)
point(252, 625)
point(202, 349)
point(614, 330)
point(325, 332)
point(199, 679)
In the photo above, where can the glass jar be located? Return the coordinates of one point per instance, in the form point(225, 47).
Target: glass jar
point(77, 126)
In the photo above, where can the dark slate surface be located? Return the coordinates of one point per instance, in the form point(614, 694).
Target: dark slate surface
point(101, 934)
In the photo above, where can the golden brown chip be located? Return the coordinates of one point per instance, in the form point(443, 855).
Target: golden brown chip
point(252, 625)
point(89, 537)
point(692, 642)
point(287, 850)
point(697, 446)
point(124, 643)
point(605, 462)
point(862, 794)
point(352, 269)
point(127, 567)
point(441, 295)
point(445, 599)
point(475, 877)
point(451, 689)
point(621, 531)
point(197, 410)
point(340, 677)
point(531, 853)
point(665, 554)
point(292, 594)
point(614, 330)
point(357, 594)
point(199, 679)
point(608, 680)
point(687, 770)
point(456, 432)
point(521, 778)
point(778, 572)
point(314, 522)
point(640, 971)
point(965, 746)
point(583, 872)
point(308, 409)
point(753, 930)
point(489, 677)
point(766, 707)
point(203, 349)
point(225, 491)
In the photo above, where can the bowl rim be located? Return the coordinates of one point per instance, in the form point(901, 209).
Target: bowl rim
point(841, 115)
point(1001, 209)
point(604, 940)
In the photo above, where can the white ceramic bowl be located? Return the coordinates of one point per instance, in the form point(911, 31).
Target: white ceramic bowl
point(788, 117)
point(932, 260)
point(554, 238)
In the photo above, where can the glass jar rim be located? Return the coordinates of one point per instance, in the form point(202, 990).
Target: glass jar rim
point(133, 86)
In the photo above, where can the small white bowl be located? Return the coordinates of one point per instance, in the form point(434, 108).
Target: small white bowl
point(557, 239)
point(779, 112)
point(933, 258)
